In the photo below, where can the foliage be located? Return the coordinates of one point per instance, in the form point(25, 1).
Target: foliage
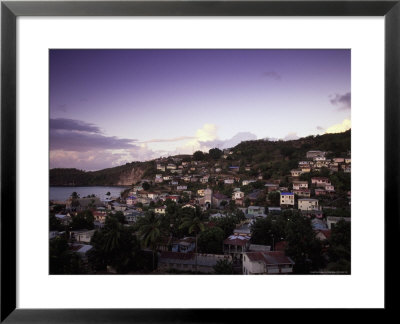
point(215, 153)
point(145, 186)
point(55, 223)
point(223, 267)
point(198, 156)
point(211, 240)
point(303, 247)
point(117, 246)
point(274, 198)
point(340, 247)
point(83, 220)
point(62, 260)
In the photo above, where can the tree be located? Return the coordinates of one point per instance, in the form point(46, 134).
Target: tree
point(62, 260)
point(74, 195)
point(215, 153)
point(227, 224)
point(117, 246)
point(223, 267)
point(274, 198)
point(193, 222)
point(198, 156)
point(146, 186)
point(108, 193)
point(150, 231)
point(302, 246)
point(55, 223)
point(211, 240)
point(83, 220)
point(340, 247)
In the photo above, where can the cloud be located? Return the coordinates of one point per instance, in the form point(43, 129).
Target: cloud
point(320, 128)
point(72, 125)
point(84, 141)
point(206, 138)
point(342, 101)
point(339, 128)
point(176, 139)
point(77, 144)
point(97, 160)
point(291, 137)
point(272, 75)
point(207, 133)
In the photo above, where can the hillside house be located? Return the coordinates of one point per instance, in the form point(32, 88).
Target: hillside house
point(235, 246)
point(338, 160)
point(302, 193)
point(320, 192)
point(267, 262)
point(203, 263)
point(329, 188)
point(237, 194)
point(295, 173)
point(171, 166)
point(320, 181)
point(83, 236)
point(256, 212)
point(300, 185)
point(247, 182)
point(271, 187)
point(313, 154)
point(218, 198)
point(308, 204)
point(332, 220)
point(287, 198)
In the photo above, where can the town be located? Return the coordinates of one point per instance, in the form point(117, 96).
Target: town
point(214, 212)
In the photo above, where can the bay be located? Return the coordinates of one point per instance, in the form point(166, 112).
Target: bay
point(63, 193)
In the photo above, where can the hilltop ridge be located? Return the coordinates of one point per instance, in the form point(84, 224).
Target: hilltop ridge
point(262, 157)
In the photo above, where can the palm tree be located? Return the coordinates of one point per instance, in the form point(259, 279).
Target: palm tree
point(112, 236)
point(193, 221)
point(150, 231)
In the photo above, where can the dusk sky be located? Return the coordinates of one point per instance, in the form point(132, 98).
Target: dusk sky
point(109, 107)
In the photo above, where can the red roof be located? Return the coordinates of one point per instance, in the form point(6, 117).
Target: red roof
point(270, 257)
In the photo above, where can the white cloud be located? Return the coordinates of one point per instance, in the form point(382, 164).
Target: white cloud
point(339, 128)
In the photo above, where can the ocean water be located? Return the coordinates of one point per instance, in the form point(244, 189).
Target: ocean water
point(63, 193)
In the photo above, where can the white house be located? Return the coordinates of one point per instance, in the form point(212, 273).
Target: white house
point(287, 198)
point(300, 185)
point(332, 220)
point(229, 181)
point(308, 204)
point(320, 181)
point(160, 210)
point(247, 182)
point(83, 235)
point(295, 173)
point(237, 195)
point(267, 262)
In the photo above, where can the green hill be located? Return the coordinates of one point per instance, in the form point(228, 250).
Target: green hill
point(271, 158)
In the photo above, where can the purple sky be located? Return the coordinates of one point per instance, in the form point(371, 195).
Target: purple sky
point(109, 107)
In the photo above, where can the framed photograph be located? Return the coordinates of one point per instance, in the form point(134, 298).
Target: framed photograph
point(153, 150)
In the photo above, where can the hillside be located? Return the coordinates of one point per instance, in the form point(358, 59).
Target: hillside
point(271, 158)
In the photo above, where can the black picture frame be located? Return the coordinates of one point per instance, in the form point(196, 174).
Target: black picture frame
point(10, 10)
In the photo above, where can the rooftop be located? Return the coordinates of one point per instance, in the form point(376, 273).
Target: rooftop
point(270, 257)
